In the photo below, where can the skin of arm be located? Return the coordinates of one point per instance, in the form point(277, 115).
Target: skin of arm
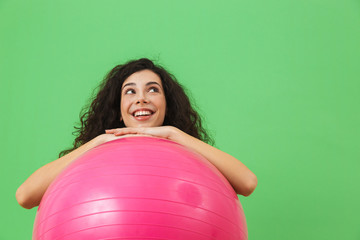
point(239, 176)
point(30, 193)
point(244, 182)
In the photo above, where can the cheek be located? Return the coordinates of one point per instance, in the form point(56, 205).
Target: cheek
point(164, 108)
point(124, 106)
point(161, 103)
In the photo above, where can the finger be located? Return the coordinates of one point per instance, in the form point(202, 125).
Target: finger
point(113, 130)
point(124, 131)
point(110, 130)
point(148, 131)
point(134, 131)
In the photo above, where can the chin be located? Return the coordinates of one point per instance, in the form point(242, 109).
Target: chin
point(144, 125)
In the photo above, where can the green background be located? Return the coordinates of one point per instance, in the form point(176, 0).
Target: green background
point(276, 81)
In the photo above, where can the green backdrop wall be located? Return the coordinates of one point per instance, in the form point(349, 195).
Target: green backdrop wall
point(276, 81)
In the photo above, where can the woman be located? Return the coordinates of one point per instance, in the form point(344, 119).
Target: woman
point(138, 98)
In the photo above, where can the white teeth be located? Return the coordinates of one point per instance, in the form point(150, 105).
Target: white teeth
point(142, 113)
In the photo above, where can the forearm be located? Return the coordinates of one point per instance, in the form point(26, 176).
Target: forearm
point(30, 193)
point(239, 176)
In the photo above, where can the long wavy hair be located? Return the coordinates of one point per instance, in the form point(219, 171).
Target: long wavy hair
point(104, 110)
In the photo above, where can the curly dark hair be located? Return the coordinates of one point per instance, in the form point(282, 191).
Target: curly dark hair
point(104, 111)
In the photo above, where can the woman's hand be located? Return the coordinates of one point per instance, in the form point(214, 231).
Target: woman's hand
point(167, 132)
point(103, 138)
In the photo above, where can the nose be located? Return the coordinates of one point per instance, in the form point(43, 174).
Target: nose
point(141, 99)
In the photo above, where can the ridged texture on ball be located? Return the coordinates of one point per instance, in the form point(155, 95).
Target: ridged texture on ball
point(140, 188)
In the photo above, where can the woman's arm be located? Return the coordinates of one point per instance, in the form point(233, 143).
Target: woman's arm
point(30, 193)
point(240, 177)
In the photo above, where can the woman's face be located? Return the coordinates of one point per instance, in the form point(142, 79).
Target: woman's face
point(143, 102)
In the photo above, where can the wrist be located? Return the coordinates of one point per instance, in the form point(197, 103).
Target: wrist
point(100, 139)
point(178, 136)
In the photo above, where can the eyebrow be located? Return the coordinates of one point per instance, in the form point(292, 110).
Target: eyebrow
point(134, 84)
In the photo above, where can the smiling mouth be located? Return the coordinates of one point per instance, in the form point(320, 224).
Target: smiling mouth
point(142, 113)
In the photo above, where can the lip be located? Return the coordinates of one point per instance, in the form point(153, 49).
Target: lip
point(143, 109)
point(143, 118)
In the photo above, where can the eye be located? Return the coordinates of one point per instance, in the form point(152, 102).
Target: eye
point(129, 91)
point(153, 89)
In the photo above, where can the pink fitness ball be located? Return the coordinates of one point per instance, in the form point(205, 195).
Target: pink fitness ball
point(140, 188)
